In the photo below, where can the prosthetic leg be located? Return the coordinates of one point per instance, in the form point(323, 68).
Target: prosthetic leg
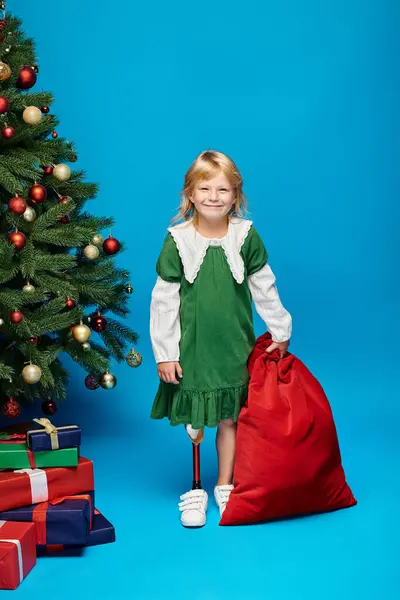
point(193, 505)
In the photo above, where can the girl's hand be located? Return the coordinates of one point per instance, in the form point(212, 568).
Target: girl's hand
point(282, 346)
point(168, 372)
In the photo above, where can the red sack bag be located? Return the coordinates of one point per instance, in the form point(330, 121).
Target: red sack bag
point(288, 459)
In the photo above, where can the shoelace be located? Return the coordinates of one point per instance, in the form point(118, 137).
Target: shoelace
point(193, 500)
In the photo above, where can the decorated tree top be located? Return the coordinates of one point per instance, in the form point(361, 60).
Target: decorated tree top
point(60, 289)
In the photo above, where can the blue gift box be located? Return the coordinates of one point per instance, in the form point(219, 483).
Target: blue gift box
point(67, 522)
point(102, 532)
point(50, 437)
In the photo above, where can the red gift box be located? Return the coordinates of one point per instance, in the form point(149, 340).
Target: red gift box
point(31, 486)
point(17, 553)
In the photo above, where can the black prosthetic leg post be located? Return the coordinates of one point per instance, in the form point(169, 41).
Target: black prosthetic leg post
point(196, 467)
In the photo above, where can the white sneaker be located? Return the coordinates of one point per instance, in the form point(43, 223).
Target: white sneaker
point(221, 495)
point(193, 508)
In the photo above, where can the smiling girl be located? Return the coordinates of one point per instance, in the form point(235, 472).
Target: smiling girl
point(211, 267)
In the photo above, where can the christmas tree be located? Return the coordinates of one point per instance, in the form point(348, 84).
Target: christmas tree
point(58, 278)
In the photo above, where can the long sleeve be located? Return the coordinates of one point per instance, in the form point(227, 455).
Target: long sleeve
point(165, 324)
point(268, 304)
point(165, 327)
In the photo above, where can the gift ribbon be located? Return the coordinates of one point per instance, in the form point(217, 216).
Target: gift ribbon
point(39, 515)
point(6, 437)
point(19, 551)
point(51, 430)
point(38, 481)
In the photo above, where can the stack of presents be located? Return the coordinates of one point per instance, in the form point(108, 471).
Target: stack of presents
point(46, 498)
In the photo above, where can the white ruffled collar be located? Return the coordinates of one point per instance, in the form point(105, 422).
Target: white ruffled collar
point(192, 247)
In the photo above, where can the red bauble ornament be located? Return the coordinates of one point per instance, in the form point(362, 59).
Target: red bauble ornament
point(4, 105)
point(27, 78)
point(91, 382)
point(12, 409)
point(18, 239)
point(35, 339)
point(45, 110)
point(98, 322)
point(2, 24)
point(64, 220)
point(16, 317)
point(64, 200)
point(47, 170)
point(111, 246)
point(37, 193)
point(70, 303)
point(17, 205)
point(54, 135)
point(7, 132)
point(49, 407)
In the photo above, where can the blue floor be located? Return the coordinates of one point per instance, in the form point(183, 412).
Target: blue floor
point(348, 554)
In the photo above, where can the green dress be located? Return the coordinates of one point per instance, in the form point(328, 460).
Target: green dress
point(217, 336)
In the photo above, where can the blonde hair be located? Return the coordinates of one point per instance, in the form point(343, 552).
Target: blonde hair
point(208, 164)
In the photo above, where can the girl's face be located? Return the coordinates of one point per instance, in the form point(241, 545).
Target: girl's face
point(213, 198)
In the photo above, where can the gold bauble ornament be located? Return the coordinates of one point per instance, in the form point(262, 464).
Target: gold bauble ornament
point(5, 71)
point(81, 333)
point(31, 373)
point(107, 380)
point(91, 252)
point(129, 289)
point(32, 115)
point(29, 214)
point(62, 172)
point(29, 288)
point(134, 359)
point(97, 240)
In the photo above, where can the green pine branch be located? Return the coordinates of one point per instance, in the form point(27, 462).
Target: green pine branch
point(53, 258)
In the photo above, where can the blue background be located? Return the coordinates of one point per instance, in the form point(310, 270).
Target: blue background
point(305, 97)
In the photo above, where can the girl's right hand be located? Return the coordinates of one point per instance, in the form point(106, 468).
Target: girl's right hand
point(169, 372)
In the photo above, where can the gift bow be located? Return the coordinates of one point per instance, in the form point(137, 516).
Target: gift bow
point(47, 424)
point(6, 437)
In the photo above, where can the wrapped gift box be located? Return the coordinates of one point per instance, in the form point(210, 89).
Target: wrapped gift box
point(32, 486)
point(66, 520)
point(17, 553)
point(15, 454)
point(103, 532)
point(49, 437)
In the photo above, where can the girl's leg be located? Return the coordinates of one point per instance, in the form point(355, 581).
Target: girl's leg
point(226, 444)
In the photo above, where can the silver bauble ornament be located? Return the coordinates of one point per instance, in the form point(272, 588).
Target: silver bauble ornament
point(97, 240)
point(1, 322)
point(62, 172)
point(29, 214)
point(134, 359)
point(86, 347)
point(29, 288)
point(91, 252)
point(107, 380)
point(32, 115)
point(31, 373)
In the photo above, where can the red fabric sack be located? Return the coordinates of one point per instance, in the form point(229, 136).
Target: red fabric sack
point(288, 459)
